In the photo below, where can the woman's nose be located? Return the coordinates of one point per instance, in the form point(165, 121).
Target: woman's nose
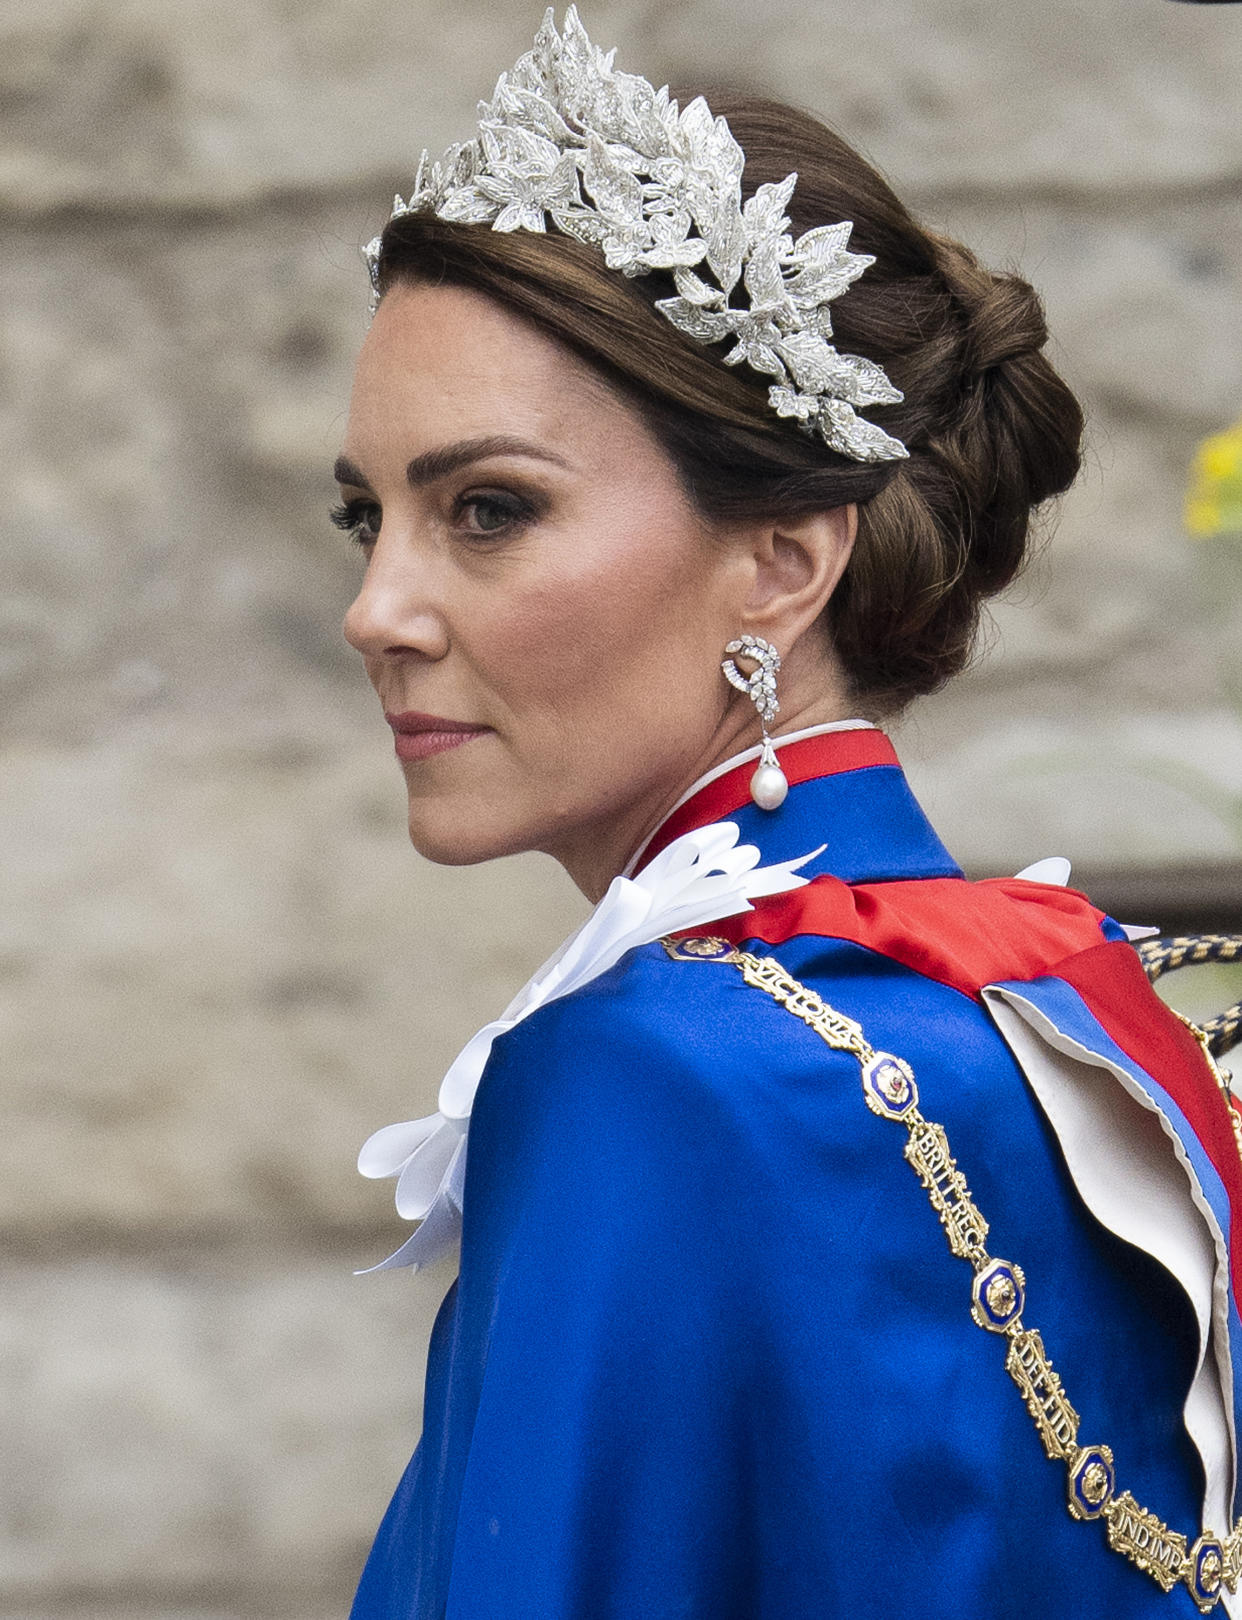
point(393, 613)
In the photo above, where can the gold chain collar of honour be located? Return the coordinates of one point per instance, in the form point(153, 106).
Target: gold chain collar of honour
point(997, 1294)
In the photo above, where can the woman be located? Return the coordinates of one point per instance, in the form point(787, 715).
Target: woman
point(666, 495)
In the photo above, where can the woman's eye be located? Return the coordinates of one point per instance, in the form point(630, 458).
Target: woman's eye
point(493, 513)
point(360, 520)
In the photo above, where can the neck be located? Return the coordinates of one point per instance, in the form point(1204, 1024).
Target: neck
point(604, 852)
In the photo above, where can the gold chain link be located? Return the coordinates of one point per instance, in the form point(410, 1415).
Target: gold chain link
point(998, 1291)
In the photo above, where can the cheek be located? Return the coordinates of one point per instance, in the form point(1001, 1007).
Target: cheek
point(627, 641)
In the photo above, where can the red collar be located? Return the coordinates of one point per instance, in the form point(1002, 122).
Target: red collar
point(828, 754)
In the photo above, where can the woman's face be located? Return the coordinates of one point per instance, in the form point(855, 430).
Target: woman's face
point(543, 613)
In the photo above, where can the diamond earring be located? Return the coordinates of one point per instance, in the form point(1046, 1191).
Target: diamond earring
point(768, 786)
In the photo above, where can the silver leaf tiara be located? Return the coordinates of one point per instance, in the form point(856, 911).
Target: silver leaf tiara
point(567, 141)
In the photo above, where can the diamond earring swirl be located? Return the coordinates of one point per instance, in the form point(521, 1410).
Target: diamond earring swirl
point(768, 786)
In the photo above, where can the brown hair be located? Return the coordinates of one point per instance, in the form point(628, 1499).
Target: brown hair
point(991, 429)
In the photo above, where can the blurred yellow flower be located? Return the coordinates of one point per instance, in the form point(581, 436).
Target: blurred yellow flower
point(1214, 496)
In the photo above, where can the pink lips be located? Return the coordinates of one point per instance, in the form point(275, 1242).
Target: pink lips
point(418, 736)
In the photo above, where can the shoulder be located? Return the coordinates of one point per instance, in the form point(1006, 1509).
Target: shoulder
point(667, 1101)
point(648, 1012)
point(652, 1037)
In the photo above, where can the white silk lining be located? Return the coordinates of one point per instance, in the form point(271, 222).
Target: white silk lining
point(1116, 1145)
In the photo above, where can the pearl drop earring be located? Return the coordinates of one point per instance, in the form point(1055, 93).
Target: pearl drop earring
point(768, 786)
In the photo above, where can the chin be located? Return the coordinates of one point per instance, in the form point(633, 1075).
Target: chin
point(450, 840)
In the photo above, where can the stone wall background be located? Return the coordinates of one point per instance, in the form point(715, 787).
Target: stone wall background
point(220, 964)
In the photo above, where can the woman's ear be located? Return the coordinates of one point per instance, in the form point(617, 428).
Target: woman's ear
point(795, 565)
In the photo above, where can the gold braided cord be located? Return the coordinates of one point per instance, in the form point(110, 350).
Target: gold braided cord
point(1225, 1030)
point(1160, 956)
point(1187, 950)
point(998, 1293)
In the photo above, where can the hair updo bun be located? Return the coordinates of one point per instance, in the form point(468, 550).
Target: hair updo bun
point(991, 429)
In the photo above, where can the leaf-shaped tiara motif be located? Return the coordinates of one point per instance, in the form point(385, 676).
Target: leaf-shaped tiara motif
point(569, 143)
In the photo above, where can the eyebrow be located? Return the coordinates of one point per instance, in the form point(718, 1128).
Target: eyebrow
point(449, 458)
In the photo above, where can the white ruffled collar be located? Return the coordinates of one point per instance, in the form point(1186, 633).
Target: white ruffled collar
point(700, 878)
